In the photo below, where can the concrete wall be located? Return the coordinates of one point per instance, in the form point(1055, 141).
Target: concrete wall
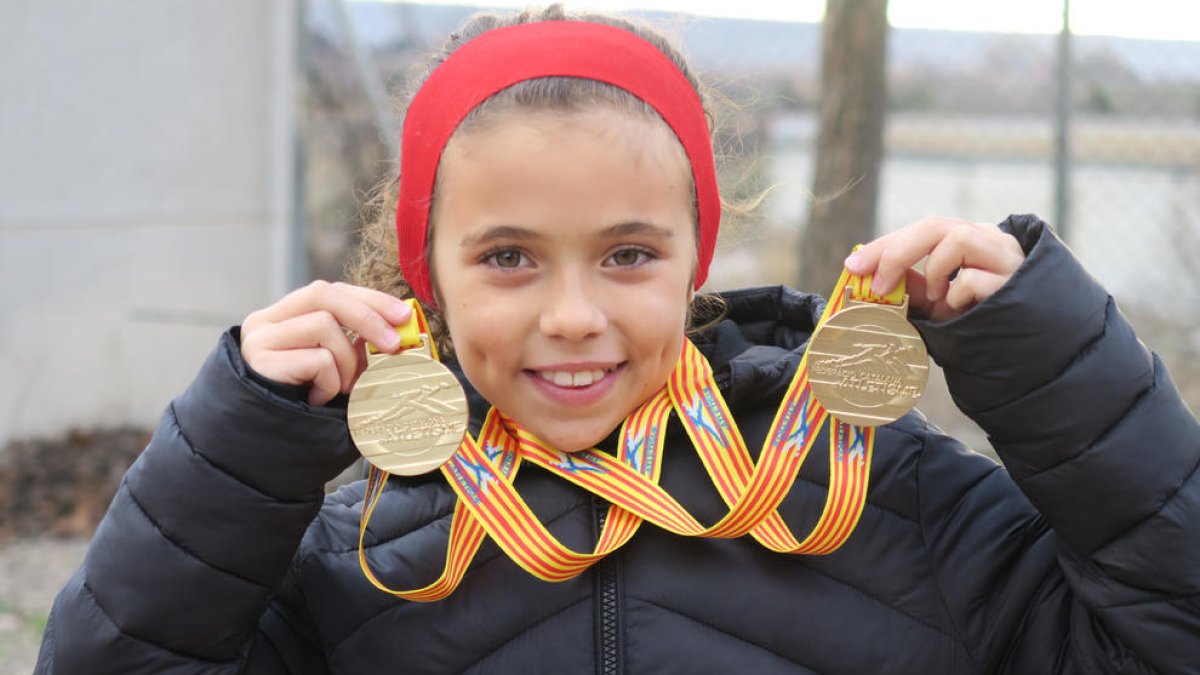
point(145, 197)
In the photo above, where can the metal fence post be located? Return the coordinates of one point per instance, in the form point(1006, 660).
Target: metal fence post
point(1062, 129)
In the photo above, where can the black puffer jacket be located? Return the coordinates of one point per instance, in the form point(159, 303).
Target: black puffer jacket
point(217, 555)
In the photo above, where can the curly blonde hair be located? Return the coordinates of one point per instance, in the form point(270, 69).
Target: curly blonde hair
point(375, 263)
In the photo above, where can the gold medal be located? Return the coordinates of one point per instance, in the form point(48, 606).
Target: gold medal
point(407, 412)
point(867, 363)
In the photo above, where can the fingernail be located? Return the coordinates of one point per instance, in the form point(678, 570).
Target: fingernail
point(391, 339)
point(853, 260)
point(876, 286)
point(402, 309)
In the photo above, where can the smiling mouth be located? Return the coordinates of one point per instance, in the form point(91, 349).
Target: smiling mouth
point(575, 379)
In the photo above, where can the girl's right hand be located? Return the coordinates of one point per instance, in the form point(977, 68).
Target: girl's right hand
point(302, 338)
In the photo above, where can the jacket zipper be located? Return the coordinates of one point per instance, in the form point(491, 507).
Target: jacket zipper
point(608, 627)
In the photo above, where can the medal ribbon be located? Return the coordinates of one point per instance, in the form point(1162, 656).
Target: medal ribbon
point(482, 472)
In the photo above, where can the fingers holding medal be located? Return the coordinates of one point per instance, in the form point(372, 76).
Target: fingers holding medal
point(965, 263)
point(302, 339)
point(868, 364)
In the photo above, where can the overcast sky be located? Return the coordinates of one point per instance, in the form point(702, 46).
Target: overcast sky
point(1163, 19)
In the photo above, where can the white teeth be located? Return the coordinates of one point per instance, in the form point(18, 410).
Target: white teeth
point(582, 378)
point(585, 378)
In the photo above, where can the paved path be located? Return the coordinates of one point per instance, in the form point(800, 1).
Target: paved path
point(31, 572)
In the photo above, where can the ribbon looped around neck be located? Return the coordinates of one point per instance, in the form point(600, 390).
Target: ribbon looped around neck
point(484, 468)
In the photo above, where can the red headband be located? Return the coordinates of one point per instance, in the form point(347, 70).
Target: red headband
point(503, 57)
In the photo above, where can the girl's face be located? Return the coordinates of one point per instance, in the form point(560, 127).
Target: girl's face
point(563, 252)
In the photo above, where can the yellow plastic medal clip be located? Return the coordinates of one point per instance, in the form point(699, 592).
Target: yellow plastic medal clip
point(861, 289)
point(413, 333)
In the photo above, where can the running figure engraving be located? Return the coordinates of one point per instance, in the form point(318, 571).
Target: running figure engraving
point(888, 354)
point(411, 400)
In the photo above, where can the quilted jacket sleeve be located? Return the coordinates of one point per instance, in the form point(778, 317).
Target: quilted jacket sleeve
point(203, 528)
point(1105, 575)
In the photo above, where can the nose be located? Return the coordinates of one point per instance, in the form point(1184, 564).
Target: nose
point(572, 311)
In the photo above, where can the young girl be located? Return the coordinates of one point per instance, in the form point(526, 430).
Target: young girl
point(556, 212)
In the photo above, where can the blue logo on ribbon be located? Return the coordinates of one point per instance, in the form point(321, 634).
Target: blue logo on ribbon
point(696, 415)
point(567, 463)
point(633, 448)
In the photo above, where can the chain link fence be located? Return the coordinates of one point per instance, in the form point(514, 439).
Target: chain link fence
point(970, 132)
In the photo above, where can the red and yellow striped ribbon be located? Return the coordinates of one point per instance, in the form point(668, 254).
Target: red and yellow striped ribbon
point(482, 474)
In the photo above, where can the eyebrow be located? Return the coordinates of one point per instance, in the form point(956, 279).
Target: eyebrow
point(497, 233)
point(639, 228)
point(514, 233)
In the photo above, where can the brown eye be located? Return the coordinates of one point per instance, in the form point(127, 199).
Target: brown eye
point(627, 257)
point(507, 259)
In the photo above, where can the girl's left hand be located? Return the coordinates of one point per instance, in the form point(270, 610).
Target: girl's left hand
point(968, 262)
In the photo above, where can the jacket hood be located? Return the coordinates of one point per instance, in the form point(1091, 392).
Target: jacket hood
point(756, 348)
